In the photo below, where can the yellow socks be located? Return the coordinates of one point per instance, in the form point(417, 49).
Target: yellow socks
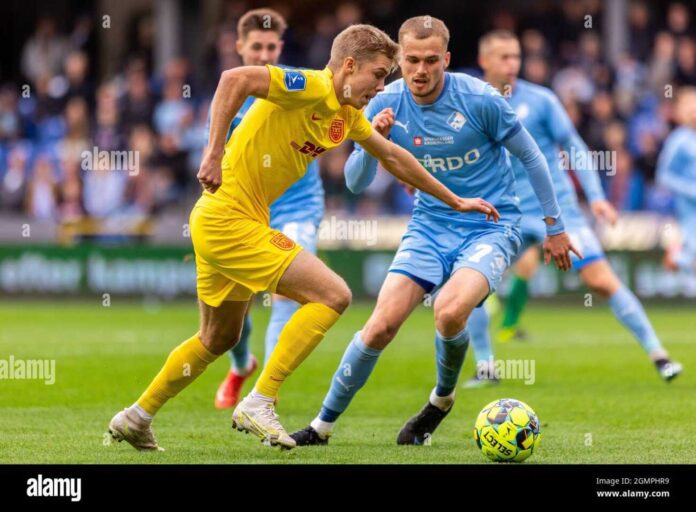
point(184, 364)
point(303, 332)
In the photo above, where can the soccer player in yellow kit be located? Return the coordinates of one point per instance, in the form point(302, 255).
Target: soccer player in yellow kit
point(300, 115)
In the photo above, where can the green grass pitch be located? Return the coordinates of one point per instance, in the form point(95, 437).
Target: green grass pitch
point(598, 398)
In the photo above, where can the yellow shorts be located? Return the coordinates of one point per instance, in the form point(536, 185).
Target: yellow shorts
point(236, 257)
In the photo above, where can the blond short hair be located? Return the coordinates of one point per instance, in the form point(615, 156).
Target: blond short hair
point(422, 27)
point(363, 42)
point(494, 35)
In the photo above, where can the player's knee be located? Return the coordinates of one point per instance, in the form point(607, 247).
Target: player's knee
point(449, 321)
point(378, 333)
point(602, 283)
point(340, 297)
point(219, 341)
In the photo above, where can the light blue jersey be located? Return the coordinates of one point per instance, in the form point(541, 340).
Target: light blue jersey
point(543, 115)
point(676, 170)
point(461, 139)
point(302, 203)
point(458, 139)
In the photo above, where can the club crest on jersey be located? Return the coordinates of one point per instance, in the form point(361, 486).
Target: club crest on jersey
point(295, 80)
point(282, 242)
point(337, 130)
point(456, 120)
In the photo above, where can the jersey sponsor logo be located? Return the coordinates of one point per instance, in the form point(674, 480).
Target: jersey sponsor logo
point(420, 140)
point(456, 120)
point(295, 80)
point(337, 130)
point(450, 163)
point(402, 125)
point(308, 148)
point(282, 242)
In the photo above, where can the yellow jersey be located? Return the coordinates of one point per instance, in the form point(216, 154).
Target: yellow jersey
point(270, 149)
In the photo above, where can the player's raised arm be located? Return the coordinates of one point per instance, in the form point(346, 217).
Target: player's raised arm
point(234, 87)
point(361, 166)
point(402, 165)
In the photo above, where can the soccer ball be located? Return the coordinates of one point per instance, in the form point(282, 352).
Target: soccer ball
point(507, 430)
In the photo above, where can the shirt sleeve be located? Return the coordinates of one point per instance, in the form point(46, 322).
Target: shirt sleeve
point(559, 125)
point(586, 172)
point(670, 169)
point(361, 128)
point(498, 119)
point(523, 146)
point(361, 167)
point(296, 88)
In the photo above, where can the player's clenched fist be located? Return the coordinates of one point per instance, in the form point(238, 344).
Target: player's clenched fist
point(383, 122)
point(210, 174)
point(478, 205)
point(559, 248)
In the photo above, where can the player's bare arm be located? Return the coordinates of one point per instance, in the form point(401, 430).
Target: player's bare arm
point(234, 87)
point(406, 168)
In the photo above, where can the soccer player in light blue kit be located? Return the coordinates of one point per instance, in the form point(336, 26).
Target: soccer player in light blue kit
point(542, 114)
point(676, 170)
point(459, 128)
point(297, 213)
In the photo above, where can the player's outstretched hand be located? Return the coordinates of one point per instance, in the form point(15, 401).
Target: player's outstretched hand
point(478, 205)
point(559, 248)
point(210, 174)
point(603, 210)
point(383, 122)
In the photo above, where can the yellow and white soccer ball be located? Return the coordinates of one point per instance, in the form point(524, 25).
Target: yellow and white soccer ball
point(507, 430)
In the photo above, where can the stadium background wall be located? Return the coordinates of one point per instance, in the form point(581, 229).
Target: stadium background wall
point(168, 272)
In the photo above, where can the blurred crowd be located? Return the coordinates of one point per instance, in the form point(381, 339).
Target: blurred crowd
point(60, 111)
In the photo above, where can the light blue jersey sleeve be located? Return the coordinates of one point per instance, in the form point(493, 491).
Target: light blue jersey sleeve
point(361, 167)
point(565, 135)
point(499, 120)
point(522, 145)
point(587, 174)
point(673, 168)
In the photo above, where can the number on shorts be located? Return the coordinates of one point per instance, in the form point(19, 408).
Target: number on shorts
point(481, 251)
